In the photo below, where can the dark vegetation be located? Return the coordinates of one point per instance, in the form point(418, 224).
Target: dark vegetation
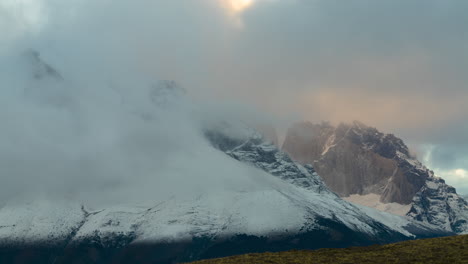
point(452, 249)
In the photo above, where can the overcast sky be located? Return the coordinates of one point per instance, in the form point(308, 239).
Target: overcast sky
point(397, 65)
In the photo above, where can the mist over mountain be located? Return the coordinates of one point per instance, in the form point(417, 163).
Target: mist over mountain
point(103, 142)
point(157, 131)
point(141, 166)
point(229, 55)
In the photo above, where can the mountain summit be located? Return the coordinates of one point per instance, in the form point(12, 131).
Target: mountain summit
point(375, 169)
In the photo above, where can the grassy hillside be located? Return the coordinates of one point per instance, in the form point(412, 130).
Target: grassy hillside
point(435, 250)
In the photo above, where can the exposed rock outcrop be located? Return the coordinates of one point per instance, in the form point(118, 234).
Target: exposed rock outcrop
point(355, 159)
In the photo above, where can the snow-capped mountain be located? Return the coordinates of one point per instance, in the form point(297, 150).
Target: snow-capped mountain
point(375, 169)
point(211, 188)
point(292, 210)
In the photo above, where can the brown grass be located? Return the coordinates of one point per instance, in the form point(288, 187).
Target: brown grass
point(435, 250)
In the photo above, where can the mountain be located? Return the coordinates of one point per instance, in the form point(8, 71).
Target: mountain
point(211, 188)
point(293, 210)
point(366, 166)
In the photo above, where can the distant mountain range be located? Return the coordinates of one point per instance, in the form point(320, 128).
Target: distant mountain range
point(366, 166)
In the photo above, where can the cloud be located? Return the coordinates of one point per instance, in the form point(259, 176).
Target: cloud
point(388, 111)
point(83, 118)
point(457, 178)
point(448, 162)
point(397, 65)
point(130, 140)
point(18, 18)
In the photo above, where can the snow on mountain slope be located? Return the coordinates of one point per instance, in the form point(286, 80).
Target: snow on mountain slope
point(147, 171)
point(39, 222)
point(288, 202)
point(374, 201)
point(269, 158)
point(282, 207)
point(290, 205)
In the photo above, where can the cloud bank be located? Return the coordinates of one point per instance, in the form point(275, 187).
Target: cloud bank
point(84, 120)
point(396, 65)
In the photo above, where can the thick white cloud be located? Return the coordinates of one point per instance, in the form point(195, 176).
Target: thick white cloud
point(19, 18)
point(93, 131)
point(397, 65)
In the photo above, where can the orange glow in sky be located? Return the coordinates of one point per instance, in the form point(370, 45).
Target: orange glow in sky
point(238, 5)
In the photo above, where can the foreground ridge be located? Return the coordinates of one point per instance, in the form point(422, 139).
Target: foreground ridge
point(435, 250)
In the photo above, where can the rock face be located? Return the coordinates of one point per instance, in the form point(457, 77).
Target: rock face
point(439, 204)
point(354, 159)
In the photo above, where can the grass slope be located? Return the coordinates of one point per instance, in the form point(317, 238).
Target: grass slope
point(435, 250)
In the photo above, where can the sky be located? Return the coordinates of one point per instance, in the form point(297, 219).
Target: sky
point(396, 65)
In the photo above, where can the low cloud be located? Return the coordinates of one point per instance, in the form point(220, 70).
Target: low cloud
point(396, 65)
point(83, 119)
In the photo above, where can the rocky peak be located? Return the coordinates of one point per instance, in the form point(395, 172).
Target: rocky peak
point(254, 148)
point(355, 159)
point(315, 136)
point(386, 145)
point(439, 204)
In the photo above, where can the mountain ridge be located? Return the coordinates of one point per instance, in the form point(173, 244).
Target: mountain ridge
point(355, 159)
point(296, 210)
